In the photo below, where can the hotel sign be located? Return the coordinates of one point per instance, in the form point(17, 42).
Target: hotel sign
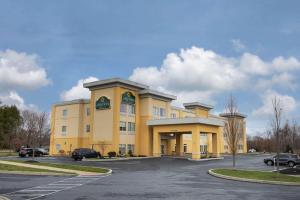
point(103, 103)
point(128, 98)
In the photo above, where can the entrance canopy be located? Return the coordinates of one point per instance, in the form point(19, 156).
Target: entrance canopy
point(191, 125)
point(187, 120)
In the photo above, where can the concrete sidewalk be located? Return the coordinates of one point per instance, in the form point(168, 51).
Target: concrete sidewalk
point(50, 168)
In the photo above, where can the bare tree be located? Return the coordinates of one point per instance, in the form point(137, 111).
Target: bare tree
point(41, 126)
point(276, 124)
point(233, 128)
point(294, 136)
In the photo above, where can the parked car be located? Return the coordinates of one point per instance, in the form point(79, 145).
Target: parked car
point(252, 150)
point(28, 152)
point(79, 154)
point(42, 151)
point(284, 159)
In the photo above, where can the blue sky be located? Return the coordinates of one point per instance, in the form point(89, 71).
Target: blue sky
point(73, 40)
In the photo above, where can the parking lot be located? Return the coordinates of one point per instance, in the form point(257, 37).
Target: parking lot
point(154, 178)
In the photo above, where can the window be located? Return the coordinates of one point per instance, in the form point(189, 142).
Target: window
point(131, 126)
point(131, 109)
point(88, 111)
point(185, 148)
point(64, 130)
point(159, 112)
point(240, 147)
point(65, 112)
point(58, 147)
point(87, 128)
point(226, 147)
point(173, 115)
point(155, 111)
point(130, 147)
point(162, 112)
point(122, 149)
point(122, 126)
point(123, 108)
point(224, 135)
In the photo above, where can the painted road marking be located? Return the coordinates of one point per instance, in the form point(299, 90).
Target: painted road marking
point(52, 188)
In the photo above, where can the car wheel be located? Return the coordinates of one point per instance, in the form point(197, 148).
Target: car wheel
point(291, 164)
point(270, 163)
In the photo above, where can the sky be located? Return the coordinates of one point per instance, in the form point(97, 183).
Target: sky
point(197, 50)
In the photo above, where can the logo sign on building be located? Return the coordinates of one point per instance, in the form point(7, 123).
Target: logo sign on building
point(128, 98)
point(103, 103)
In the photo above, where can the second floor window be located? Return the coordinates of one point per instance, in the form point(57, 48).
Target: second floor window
point(122, 126)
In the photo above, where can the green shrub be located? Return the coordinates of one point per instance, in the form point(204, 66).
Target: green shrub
point(130, 153)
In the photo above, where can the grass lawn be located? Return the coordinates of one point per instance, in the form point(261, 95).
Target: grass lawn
point(67, 166)
point(5, 167)
point(257, 175)
point(4, 153)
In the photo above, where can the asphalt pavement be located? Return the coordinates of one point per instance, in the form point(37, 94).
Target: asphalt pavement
point(159, 178)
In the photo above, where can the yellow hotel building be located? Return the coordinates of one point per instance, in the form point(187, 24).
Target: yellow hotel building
point(124, 116)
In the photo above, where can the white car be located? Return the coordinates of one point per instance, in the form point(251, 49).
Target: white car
point(252, 150)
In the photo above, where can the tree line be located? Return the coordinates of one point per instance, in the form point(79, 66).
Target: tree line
point(23, 128)
point(288, 135)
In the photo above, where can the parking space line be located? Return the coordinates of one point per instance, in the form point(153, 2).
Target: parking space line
point(52, 188)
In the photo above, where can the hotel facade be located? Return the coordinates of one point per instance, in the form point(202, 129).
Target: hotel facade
point(129, 118)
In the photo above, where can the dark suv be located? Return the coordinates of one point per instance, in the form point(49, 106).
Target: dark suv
point(79, 154)
point(284, 159)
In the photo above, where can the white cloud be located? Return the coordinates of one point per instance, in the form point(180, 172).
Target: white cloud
point(78, 91)
point(283, 80)
point(253, 65)
point(282, 64)
point(193, 70)
point(238, 45)
point(206, 74)
point(13, 98)
point(21, 71)
point(288, 104)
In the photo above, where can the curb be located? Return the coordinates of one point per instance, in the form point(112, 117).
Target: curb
point(109, 171)
point(206, 159)
point(3, 198)
point(35, 173)
point(116, 159)
point(59, 170)
point(251, 180)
